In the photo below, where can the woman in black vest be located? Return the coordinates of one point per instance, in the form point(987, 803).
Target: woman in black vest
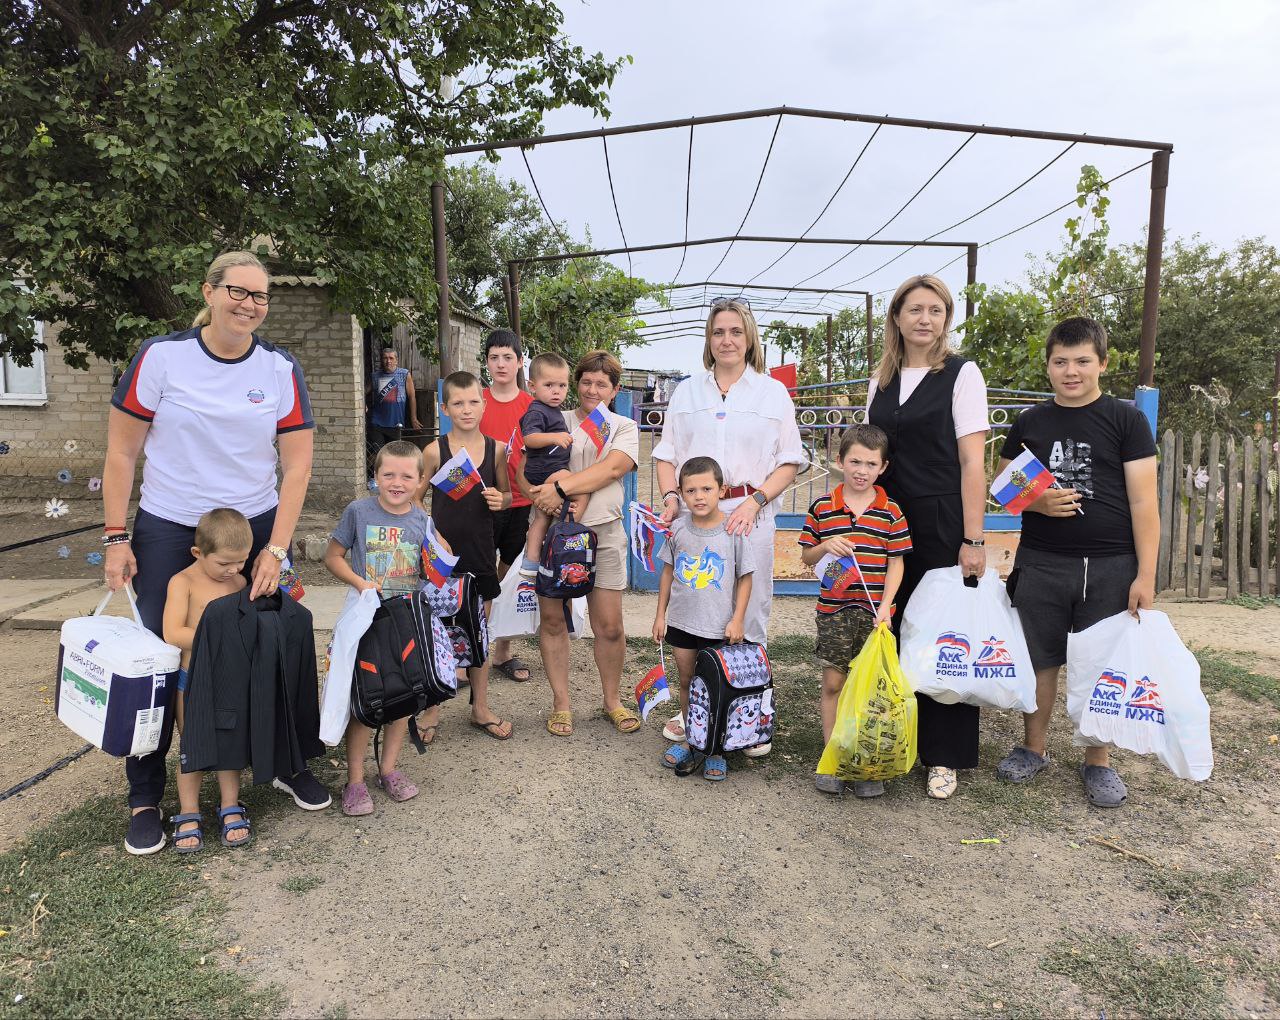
point(933, 405)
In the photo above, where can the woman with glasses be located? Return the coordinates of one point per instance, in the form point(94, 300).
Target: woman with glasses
point(933, 405)
point(210, 406)
point(744, 419)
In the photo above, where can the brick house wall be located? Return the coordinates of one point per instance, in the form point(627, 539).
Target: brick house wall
point(68, 430)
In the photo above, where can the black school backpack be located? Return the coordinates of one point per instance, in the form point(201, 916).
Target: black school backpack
point(461, 612)
point(399, 666)
point(568, 566)
point(730, 699)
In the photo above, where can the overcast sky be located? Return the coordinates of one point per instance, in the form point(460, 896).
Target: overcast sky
point(1198, 75)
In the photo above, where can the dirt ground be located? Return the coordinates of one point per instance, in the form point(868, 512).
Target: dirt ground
point(549, 877)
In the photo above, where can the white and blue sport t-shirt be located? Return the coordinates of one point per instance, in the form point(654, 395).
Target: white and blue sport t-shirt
point(214, 422)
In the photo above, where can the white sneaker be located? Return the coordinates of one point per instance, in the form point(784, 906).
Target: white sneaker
point(759, 751)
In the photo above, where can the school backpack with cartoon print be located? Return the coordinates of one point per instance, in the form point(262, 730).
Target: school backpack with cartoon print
point(464, 622)
point(730, 699)
point(568, 566)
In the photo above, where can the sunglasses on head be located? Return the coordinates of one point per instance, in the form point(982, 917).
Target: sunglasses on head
point(721, 303)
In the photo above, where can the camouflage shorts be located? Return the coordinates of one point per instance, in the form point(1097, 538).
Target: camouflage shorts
point(841, 635)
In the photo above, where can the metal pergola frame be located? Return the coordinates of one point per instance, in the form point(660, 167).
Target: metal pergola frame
point(1160, 152)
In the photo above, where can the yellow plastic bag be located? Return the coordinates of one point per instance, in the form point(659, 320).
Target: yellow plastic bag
point(874, 736)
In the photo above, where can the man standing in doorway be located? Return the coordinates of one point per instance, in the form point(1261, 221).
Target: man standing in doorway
point(392, 401)
point(504, 405)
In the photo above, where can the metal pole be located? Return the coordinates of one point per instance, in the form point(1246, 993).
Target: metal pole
point(513, 275)
point(828, 348)
point(565, 256)
point(797, 111)
point(440, 250)
point(506, 295)
point(870, 321)
point(1151, 288)
point(971, 277)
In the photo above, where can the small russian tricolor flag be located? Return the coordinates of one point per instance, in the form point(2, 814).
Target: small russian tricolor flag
point(437, 565)
point(596, 426)
point(515, 444)
point(457, 476)
point(1019, 484)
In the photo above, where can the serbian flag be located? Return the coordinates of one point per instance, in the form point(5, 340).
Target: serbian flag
point(515, 444)
point(1021, 482)
point(457, 476)
point(653, 689)
point(437, 565)
point(646, 526)
point(596, 426)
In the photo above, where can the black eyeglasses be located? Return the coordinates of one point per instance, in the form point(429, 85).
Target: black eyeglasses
point(724, 302)
point(260, 297)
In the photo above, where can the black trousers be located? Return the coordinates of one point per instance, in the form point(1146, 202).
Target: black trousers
point(162, 549)
point(948, 734)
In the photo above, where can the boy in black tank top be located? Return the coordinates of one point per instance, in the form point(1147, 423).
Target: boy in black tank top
point(466, 521)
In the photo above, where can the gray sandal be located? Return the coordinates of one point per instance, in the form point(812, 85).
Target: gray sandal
point(1021, 765)
point(1103, 786)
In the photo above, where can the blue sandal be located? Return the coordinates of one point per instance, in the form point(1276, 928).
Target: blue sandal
point(197, 833)
point(228, 827)
point(675, 756)
point(715, 768)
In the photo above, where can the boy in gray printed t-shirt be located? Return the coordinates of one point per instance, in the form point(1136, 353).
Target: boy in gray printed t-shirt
point(704, 589)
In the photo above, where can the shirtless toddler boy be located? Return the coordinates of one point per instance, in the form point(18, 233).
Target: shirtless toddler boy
point(223, 539)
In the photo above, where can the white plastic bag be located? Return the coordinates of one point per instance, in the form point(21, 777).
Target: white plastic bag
point(115, 680)
point(335, 697)
point(962, 644)
point(1134, 685)
point(514, 612)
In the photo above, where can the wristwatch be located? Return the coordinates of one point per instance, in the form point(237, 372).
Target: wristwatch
point(278, 552)
point(760, 498)
point(976, 542)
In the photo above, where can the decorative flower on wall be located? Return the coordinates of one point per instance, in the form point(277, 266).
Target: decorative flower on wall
point(64, 476)
point(55, 508)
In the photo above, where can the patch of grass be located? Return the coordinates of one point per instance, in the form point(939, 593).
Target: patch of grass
point(1001, 804)
point(301, 883)
point(1246, 601)
point(1131, 981)
point(1210, 894)
point(747, 968)
point(1217, 673)
point(94, 932)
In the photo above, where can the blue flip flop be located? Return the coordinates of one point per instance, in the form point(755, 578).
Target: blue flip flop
point(715, 768)
point(197, 833)
point(228, 827)
point(675, 756)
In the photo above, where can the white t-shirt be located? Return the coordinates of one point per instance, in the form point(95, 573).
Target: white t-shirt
point(750, 433)
point(214, 423)
point(968, 396)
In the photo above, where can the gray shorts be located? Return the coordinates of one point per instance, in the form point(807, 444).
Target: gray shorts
point(1058, 595)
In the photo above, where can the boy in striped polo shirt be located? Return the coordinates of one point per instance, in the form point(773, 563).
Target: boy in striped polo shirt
point(854, 524)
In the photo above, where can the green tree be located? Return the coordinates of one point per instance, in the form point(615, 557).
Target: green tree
point(1218, 334)
point(589, 304)
point(141, 138)
point(491, 222)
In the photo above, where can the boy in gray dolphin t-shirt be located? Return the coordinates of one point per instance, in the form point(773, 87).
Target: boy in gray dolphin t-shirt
point(705, 585)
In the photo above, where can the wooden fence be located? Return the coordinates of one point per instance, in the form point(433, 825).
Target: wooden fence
point(1219, 518)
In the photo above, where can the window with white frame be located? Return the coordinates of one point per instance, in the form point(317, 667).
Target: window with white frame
point(23, 384)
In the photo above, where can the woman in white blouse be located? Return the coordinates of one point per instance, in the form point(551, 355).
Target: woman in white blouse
point(745, 420)
point(933, 405)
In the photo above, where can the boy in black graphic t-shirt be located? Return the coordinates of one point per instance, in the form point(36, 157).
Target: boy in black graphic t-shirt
point(1088, 546)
